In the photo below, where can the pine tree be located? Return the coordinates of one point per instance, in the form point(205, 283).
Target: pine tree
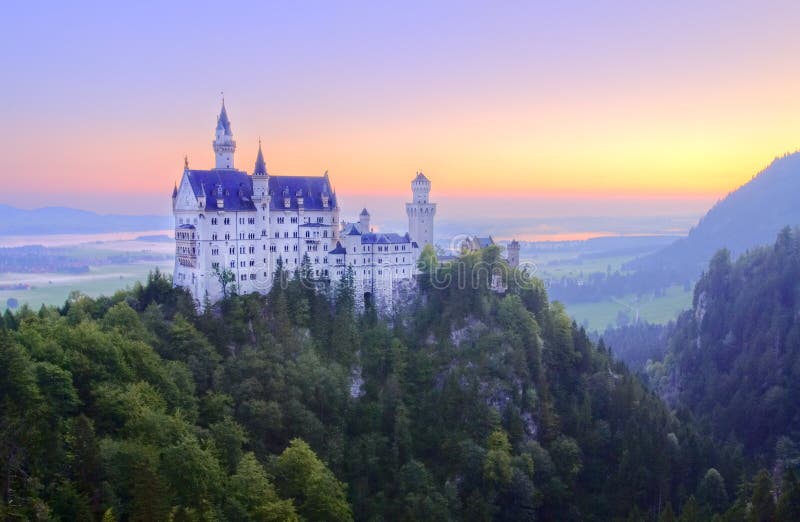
point(762, 502)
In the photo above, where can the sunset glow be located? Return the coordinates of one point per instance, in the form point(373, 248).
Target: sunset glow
point(519, 102)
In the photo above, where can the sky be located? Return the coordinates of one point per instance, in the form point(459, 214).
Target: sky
point(593, 107)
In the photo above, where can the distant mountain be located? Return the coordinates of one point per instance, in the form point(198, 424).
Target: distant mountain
point(62, 220)
point(748, 217)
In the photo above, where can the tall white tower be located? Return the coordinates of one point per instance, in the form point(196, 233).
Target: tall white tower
point(224, 146)
point(420, 211)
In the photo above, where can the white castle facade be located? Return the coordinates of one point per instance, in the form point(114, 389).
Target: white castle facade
point(229, 222)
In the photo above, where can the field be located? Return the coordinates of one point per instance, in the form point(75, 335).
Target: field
point(114, 264)
point(554, 261)
point(598, 315)
point(53, 289)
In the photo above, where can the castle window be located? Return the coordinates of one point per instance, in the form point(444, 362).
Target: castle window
point(213, 237)
point(227, 221)
point(231, 250)
point(252, 276)
point(252, 250)
point(285, 248)
point(243, 277)
point(213, 221)
point(308, 234)
point(320, 219)
point(233, 264)
point(280, 220)
point(273, 248)
point(294, 220)
point(277, 235)
point(227, 237)
point(215, 251)
point(294, 234)
point(215, 266)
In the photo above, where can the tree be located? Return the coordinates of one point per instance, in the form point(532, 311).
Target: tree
point(691, 511)
point(299, 474)
point(497, 463)
point(762, 502)
point(789, 502)
point(225, 277)
point(667, 515)
point(251, 488)
point(711, 493)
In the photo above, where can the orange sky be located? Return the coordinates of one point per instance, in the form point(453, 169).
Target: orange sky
point(585, 99)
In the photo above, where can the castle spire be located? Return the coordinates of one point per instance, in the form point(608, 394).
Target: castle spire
point(261, 167)
point(224, 146)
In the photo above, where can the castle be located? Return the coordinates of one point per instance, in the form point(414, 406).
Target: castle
point(236, 228)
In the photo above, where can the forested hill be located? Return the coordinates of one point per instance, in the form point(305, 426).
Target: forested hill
point(466, 405)
point(734, 359)
point(748, 217)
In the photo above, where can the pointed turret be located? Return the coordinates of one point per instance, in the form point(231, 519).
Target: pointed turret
point(224, 146)
point(175, 191)
point(261, 167)
point(223, 123)
point(260, 177)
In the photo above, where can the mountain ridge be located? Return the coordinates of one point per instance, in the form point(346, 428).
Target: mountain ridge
point(68, 220)
point(747, 217)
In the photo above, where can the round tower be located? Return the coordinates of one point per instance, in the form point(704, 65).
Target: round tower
point(421, 211)
point(224, 146)
point(363, 221)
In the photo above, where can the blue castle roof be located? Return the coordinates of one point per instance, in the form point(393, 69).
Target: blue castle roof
point(234, 187)
point(339, 249)
point(384, 238)
point(311, 188)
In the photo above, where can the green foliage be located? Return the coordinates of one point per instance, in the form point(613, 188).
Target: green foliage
point(300, 475)
point(479, 401)
point(734, 360)
point(762, 503)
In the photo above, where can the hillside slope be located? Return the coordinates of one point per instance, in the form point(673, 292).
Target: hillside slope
point(748, 217)
point(734, 359)
point(468, 405)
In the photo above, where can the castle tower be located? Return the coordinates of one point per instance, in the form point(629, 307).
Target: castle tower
point(260, 177)
point(363, 221)
point(420, 211)
point(224, 146)
point(513, 254)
